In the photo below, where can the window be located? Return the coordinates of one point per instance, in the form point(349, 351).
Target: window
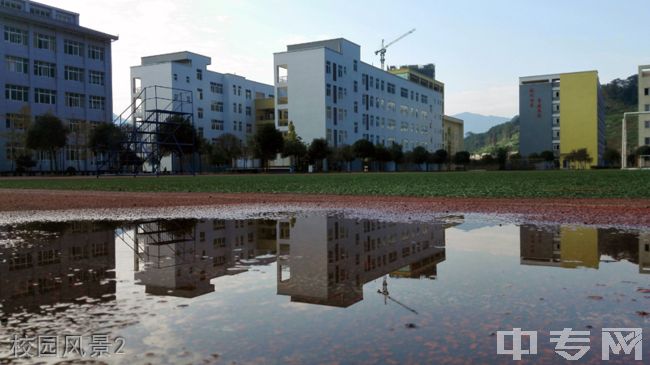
point(356, 86)
point(216, 88)
point(239, 108)
point(187, 79)
point(647, 107)
point(404, 92)
point(248, 110)
point(217, 125)
point(328, 66)
point(96, 77)
point(16, 35)
point(44, 41)
point(238, 90)
point(44, 12)
point(647, 123)
point(328, 90)
point(44, 69)
point(97, 102)
point(424, 99)
point(44, 96)
point(647, 141)
point(96, 53)
point(646, 91)
point(17, 64)
point(200, 93)
point(216, 106)
point(356, 107)
point(175, 77)
point(73, 48)
point(354, 65)
point(199, 74)
point(74, 100)
point(73, 73)
point(12, 4)
point(17, 93)
point(390, 88)
point(249, 94)
point(249, 128)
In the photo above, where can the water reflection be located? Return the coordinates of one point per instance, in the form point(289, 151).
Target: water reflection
point(589, 247)
point(45, 264)
point(181, 257)
point(159, 283)
point(327, 260)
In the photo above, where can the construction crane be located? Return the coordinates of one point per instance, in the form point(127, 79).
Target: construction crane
point(384, 292)
point(382, 51)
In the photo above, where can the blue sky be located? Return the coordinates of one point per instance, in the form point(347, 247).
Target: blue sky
point(480, 48)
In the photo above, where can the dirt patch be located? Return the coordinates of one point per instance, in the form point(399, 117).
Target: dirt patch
point(625, 212)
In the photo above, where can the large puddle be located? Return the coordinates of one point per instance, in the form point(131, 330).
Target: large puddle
point(310, 288)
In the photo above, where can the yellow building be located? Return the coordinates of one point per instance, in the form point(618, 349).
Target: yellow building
point(582, 119)
point(562, 113)
point(452, 134)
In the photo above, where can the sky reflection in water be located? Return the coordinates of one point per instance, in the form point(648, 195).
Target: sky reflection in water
point(320, 288)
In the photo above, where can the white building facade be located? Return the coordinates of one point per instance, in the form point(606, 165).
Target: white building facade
point(222, 103)
point(51, 65)
point(326, 91)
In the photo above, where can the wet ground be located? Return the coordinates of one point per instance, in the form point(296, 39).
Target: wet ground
point(311, 287)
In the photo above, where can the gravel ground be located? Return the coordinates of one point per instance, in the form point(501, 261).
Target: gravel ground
point(610, 212)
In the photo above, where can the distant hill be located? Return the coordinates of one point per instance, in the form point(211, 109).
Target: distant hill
point(478, 123)
point(501, 135)
point(619, 96)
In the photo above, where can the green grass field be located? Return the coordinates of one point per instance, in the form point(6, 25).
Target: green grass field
point(585, 184)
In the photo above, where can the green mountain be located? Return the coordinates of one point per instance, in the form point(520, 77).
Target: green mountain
point(501, 135)
point(619, 96)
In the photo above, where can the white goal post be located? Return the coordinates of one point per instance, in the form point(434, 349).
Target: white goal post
point(624, 138)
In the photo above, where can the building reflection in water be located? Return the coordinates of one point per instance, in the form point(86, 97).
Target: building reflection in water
point(572, 247)
point(44, 264)
point(321, 259)
point(327, 260)
point(181, 257)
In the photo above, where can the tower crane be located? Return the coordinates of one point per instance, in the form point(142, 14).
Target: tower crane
point(382, 51)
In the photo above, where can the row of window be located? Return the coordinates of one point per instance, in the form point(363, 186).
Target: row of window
point(368, 82)
point(217, 88)
point(47, 96)
point(48, 69)
point(20, 36)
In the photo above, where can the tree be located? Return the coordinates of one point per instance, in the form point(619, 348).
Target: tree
point(547, 156)
point(439, 157)
point(396, 154)
point(420, 155)
point(502, 157)
point(267, 143)
point(24, 163)
point(642, 151)
point(106, 139)
point(226, 149)
point(580, 157)
point(178, 136)
point(364, 150)
point(346, 154)
point(461, 158)
point(296, 150)
point(382, 155)
point(612, 157)
point(48, 135)
point(318, 151)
